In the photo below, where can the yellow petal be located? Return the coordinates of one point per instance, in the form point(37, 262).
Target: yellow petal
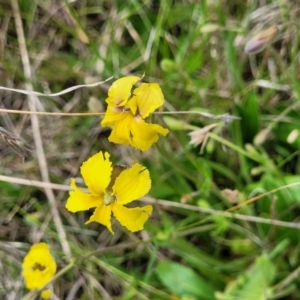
point(112, 115)
point(40, 248)
point(121, 133)
point(80, 201)
point(120, 91)
point(46, 294)
point(142, 144)
point(132, 184)
point(96, 172)
point(144, 134)
point(132, 218)
point(102, 215)
point(147, 98)
point(145, 131)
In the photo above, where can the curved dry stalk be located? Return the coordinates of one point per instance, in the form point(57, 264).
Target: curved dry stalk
point(33, 102)
point(167, 203)
point(68, 90)
point(55, 114)
point(226, 118)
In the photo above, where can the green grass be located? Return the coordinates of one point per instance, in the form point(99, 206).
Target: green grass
point(191, 247)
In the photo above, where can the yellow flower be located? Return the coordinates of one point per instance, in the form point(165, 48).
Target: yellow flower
point(110, 188)
point(38, 268)
point(127, 109)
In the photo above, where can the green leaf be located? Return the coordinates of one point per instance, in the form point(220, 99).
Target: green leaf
point(182, 280)
point(249, 112)
point(254, 284)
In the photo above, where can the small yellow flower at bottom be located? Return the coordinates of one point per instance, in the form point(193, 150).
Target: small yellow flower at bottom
point(38, 268)
point(110, 188)
point(46, 294)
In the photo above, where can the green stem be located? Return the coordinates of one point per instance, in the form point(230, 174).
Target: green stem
point(233, 146)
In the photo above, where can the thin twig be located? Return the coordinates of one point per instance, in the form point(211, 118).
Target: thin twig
point(33, 100)
point(68, 90)
point(227, 118)
point(40, 184)
point(55, 114)
point(268, 193)
point(167, 203)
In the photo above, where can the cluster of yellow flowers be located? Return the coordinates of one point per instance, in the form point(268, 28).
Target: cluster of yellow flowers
point(127, 110)
point(110, 187)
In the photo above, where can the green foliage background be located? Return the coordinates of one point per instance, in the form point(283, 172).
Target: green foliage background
point(190, 248)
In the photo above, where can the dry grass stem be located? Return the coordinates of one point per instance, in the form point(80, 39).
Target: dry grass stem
point(33, 101)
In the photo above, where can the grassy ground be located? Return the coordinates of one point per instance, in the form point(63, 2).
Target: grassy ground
point(203, 241)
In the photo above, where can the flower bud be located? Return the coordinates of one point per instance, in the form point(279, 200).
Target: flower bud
point(262, 39)
point(168, 65)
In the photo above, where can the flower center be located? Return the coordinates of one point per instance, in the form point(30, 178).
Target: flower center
point(38, 267)
point(109, 198)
